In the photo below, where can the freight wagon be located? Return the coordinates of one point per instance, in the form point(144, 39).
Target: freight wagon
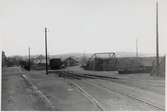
point(56, 63)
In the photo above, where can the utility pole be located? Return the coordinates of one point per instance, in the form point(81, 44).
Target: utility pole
point(157, 41)
point(46, 55)
point(137, 48)
point(29, 60)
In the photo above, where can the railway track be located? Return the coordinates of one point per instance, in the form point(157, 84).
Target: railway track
point(95, 84)
point(92, 99)
point(80, 75)
point(99, 85)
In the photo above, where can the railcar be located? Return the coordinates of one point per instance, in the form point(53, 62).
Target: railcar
point(56, 63)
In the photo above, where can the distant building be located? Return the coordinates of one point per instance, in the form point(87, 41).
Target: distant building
point(70, 62)
point(40, 60)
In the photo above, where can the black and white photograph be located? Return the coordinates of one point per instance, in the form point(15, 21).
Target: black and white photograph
point(83, 55)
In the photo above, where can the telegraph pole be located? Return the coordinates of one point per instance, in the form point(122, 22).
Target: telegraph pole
point(157, 41)
point(46, 55)
point(137, 48)
point(29, 60)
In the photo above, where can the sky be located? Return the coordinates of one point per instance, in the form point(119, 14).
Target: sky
point(85, 26)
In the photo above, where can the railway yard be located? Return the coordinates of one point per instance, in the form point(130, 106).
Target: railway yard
point(90, 63)
point(75, 89)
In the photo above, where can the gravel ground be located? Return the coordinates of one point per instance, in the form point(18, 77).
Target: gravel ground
point(140, 80)
point(65, 97)
point(147, 97)
point(16, 94)
point(60, 93)
point(112, 100)
point(142, 86)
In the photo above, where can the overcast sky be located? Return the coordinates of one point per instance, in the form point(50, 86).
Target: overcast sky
point(81, 25)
